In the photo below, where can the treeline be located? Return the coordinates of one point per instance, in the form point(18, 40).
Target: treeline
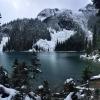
point(94, 25)
point(74, 43)
point(23, 33)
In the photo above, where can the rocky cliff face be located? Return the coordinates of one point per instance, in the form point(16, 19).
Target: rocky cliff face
point(63, 21)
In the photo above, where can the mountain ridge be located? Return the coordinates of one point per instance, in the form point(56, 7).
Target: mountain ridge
point(60, 26)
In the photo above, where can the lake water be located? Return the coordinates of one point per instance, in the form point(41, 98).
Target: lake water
point(56, 67)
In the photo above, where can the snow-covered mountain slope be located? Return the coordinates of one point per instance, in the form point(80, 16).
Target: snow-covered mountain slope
point(62, 24)
point(3, 43)
point(59, 37)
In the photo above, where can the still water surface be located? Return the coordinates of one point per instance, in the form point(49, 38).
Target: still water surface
point(56, 67)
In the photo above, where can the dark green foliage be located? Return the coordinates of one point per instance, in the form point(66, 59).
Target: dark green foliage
point(46, 87)
point(23, 75)
point(0, 28)
point(23, 33)
point(18, 97)
point(94, 26)
point(4, 79)
point(34, 69)
point(87, 73)
point(96, 33)
point(35, 66)
point(97, 5)
point(19, 75)
point(45, 91)
point(94, 38)
point(89, 48)
point(74, 43)
point(68, 24)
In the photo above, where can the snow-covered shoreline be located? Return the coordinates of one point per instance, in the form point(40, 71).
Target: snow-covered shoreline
point(95, 58)
point(55, 51)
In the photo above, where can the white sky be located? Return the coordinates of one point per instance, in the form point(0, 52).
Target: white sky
point(13, 9)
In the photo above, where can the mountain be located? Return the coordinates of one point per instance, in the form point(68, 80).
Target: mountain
point(67, 28)
point(53, 29)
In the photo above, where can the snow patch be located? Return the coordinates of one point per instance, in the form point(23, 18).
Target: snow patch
point(41, 18)
point(94, 58)
point(46, 45)
point(40, 87)
point(3, 43)
point(95, 77)
point(9, 91)
point(32, 50)
point(78, 95)
point(70, 80)
point(69, 96)
point(56, 36)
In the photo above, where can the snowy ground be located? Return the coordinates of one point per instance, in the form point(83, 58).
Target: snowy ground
point(9, 91)
point(95, 58)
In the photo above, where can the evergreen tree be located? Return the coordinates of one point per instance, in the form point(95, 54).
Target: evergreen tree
point(89, 48)
point(74, 43)
point(86, 74)
point(94, 37)
point(97, 5)
point(20, 79)
point(34, 69)
point(4, 79)
point(24, 33)
point(19, 75)
point(23, 76)
point(0, 23)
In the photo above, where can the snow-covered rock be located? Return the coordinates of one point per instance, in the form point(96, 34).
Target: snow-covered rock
point(77, 94)
point(40, 87)
point(95, 77)
point(9, 91)
point(70, 80)
point(38, 97)
point(47, 13)
point(95, 58)
point(69, 96)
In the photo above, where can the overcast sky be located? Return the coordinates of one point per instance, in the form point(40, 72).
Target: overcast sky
point(12, 9)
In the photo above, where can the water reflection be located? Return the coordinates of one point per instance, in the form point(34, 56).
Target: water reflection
point(56, 67)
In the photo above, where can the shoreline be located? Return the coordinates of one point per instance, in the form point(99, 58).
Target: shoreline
point(45, 51)
point(94, 58)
